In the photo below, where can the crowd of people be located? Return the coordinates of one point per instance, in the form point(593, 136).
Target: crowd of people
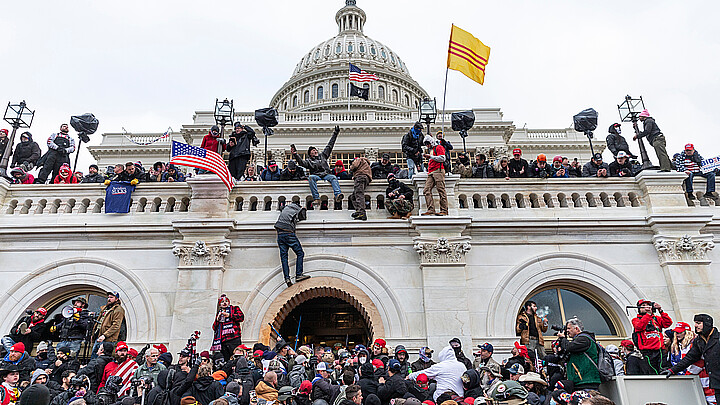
point(232, 373)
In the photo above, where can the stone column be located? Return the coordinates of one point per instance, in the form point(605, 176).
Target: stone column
point(442, 250)
point(450, 182)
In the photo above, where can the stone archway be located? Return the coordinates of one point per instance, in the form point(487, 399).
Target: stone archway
point(317, 287)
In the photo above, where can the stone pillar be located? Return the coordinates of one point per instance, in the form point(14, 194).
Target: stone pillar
point(450, 182)
point(209, 197)
point(682, 249)
point(442, 250)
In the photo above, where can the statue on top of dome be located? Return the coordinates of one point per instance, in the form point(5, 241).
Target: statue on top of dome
point(349, 2)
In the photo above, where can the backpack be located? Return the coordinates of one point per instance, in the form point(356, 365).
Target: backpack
point(163, 398)
point(605, 364)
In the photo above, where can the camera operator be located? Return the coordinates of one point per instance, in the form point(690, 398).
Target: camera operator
point(647, 333)
point(108, 394)
point(239, 148)
point(71, 331)
point(79, 387)
point(96, 367)
point(582, 356)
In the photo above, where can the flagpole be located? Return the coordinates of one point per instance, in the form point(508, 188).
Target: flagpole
point(442, 128)
point(349, 83)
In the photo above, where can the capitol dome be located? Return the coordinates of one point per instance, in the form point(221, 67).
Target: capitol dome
point(320, 80)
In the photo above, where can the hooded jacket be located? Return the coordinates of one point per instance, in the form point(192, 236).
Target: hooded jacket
point(212, 143)
point(205, 390)
point(616, 142)
point(343, 173)
point(176, 176)
point(368, 384)
point(379, 170)
point(266, 392)
point(447, 373)
point(648, 330)
point(460, 355)
point(394, 387)
point(25, 365)
point(361, 167)
point(289, 217)
point(401, 188)
point(471, 383)
point(412, 144)
point(706, 346)
point(318, 165)
point(287, 175)
point(65, 176)
point(26, 152)
point(405, 364)
point(242, 142)
point(650, 130)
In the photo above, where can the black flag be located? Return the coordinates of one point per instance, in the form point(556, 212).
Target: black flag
point(359, 92)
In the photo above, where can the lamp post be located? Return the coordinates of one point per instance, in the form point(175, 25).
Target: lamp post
point(224, 112)
point(428, 112)
point(18, 116)
point(629, 111)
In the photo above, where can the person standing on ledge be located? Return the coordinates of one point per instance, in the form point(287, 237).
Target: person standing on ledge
point(656, 139)
point(436, 176)
point(290, 215)
point(226, 328)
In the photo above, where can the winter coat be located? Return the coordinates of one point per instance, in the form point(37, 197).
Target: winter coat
point(517, 166)
point(25, 365)
point(38, 332)
point(61, 143)
point(616, 143)
point(65, 397)
point(412, 144)
point(299, 174)
point(635, 363)
point(582, 370)
point(524, 331)
point(206, 389)
point(242, 142)
point(648, 330)
point(73, 328)
point(68, 364)
point(69, 178)
point(368, 383)
point(230, 327)
point(361, 167)
point(145, 371)
point(323, 389)
point(447, 373)
point(394, 387)
point(590, 169)
point(26, 152)
point(419, 365)
point(177, 176)
point(556, 172)
point(297, 375)
point(680, 160)
point(212, 143)
point(268, 175)
point(465, 170)
point(266, 392)
point(380, 171)
point(289, 217)
point(95, 369)
point(615, 169)
point(318, 165)
point(483, 171)
point(110, 319)
point(423, 394)
point(471, 384)
point(707, 348)
point(93, 178)
point(650, 130)
point(541, 172)
point(401, 188)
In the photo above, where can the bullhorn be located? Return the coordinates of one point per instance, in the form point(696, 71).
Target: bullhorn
point(68, 311)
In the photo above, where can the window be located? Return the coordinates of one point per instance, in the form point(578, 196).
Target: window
point(294, 101)
point(383, 54)
point(320, 93)
point(362, 48)
point(394, 96)
point(334, 90)
point(372, 50)
point(559, 304)
point(407, 100)
point(306, 96)
point(338, 48)
point(317, 54)
point(327, 50)
point(350, 47)
point(392, 58)
point(381, 93)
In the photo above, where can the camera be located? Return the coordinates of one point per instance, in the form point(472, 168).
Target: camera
point(558, 329)
point(141, 382)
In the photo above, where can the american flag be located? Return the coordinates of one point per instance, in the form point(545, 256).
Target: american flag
point(126, 371)
point(358, 75)
point(193, 156)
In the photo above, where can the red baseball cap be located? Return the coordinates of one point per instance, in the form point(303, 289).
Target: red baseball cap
point(517, 151)
point(681, 327)
point(689, 146)
point(378, 363)
point(120, 346)
point(132, 352)
point(41, 311)
point(627, 343)
point(422, 378)
point(258, 353)
point(242, 346)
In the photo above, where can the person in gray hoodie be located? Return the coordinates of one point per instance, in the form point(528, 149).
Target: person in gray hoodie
point(285, 226)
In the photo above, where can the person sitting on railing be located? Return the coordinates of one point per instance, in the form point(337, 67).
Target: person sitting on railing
point(519, 167)
point(690, 163)
point(595, 167)
point(559, 171)
point(502, 168)
point(27, 153)
point(621, 167)
point(250, 174)
point(271, 172)
point(399, 199)
point(93, 175)
point(340, 172)
point(463, 167)
point(65, 176)
point(540, 168)
point(381, 169)
point(20, 176)
point(292, 172)
point(482, 169)
point(318, 167)
point(173, 174)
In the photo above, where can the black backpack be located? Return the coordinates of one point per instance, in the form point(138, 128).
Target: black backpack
point(163, 398)
point(605, 364)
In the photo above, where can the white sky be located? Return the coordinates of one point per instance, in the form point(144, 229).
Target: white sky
point(147, 65)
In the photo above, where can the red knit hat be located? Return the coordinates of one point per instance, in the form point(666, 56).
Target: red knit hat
point(161, 348)
point(627, 343)
point(18, 347)
point(380, 342)
point(305, 387)
point(378, 363)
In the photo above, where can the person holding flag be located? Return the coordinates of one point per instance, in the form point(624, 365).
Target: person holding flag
point(187, 155)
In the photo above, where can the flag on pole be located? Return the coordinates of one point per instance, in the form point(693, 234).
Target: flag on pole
point(358, 75)
point(188, 155)
point(361, 92)
point(467, 55)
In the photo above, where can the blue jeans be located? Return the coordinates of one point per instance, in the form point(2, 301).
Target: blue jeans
point(74, 345)
point(412, 168)
point(8, 342)
point(710, 182)
point(313, 179)
point(285, 242)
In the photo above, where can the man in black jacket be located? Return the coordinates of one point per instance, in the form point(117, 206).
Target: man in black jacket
point(616, 142)
point(95, 368)
point(381, 169)
point(239, 148)
point(399, 199)
point(621, 167)
point(60, 146)
point(517, 165)
point(292, 172)
point(656, 138)
point(286, 239)
point(29, 329)
point(705, 346)
point(394, 386)
point(412, 147)
point(319, 169)
point(93, 175)
point(27, 153)
point(63, 362)
point(457, 348)
point(72, 330)
point(481, 169)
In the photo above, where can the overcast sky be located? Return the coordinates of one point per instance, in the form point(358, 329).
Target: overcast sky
point(146, 65)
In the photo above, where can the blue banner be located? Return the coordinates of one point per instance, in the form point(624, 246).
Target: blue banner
point(118, 197)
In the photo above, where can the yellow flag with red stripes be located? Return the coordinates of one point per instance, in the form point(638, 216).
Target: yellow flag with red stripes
point(467, 54)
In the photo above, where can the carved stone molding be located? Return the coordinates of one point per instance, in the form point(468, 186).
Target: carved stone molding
point(685, 249)
point(442, 251)
point(202, 254)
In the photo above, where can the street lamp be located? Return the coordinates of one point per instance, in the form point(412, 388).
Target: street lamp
point(224, 112)
point(18, 116)
point(629, 111)
point(428, 112)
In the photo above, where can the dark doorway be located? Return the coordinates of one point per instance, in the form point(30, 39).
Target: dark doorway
point(325, 321)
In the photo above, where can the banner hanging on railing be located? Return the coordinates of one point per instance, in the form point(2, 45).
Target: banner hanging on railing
point(118, 197)
point(166, 135)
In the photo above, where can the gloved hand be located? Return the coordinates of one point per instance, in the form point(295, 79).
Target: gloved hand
point(106, 182)
point(337, 130)
point(667, 373)
point(134, 182)
point(61, 149)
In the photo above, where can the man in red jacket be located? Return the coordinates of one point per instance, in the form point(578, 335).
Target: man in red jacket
point(436, 176)
point(648, 332)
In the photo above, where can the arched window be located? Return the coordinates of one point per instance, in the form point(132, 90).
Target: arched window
point(334, 90)
point(381, 92)
point(317, 54)
point(306, 96)
point(407, 100)
point(327, 50)
point(294, 101)
point(372, 50)
point(350, 47)
point(320, 93)
point(383, 54)
point(338, 48)
point(285, 105)
point(394, 96)
point(362, 48)
point(392, 58)
point(560, 304)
